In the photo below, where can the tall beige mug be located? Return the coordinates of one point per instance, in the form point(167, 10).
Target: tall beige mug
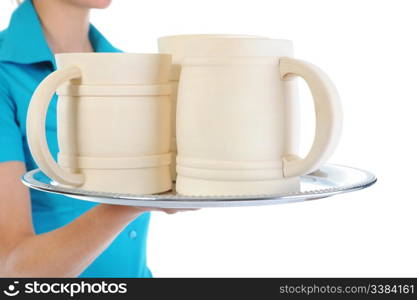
point(177, 46)
point(236, 127)
point(113, 115)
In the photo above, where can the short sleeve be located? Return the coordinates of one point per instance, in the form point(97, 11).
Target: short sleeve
point(11, 145)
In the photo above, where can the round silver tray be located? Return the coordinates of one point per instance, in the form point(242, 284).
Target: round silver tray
point(328, 181)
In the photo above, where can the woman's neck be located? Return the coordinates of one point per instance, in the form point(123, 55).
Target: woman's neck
point(65, 26)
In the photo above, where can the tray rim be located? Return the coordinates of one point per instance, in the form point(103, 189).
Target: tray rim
point(170, 200)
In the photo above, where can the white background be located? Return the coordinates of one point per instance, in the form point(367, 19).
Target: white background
point(369, 49)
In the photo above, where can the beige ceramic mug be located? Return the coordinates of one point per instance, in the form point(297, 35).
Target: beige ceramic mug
point(232, 118)
point(176, 45)
point(113, 119)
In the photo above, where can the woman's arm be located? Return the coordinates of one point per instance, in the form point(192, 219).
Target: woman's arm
point(64, 252)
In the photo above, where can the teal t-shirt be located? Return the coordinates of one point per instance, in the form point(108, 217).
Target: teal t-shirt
point(25, 60)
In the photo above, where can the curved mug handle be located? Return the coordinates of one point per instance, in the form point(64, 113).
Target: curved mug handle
point(35, 126)
point(328, 116)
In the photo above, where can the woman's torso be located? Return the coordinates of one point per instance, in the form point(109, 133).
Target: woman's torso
point(22, 68)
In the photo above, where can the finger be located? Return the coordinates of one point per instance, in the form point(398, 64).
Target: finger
point(170, 211)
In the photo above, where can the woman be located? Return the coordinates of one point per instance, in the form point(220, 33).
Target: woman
point(44, 234)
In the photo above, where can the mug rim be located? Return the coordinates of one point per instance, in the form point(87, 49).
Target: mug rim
point(208, 35)
point(229, 40)
point(85, 54)
point(226, 36)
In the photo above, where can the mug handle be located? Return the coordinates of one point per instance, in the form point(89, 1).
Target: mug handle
point(328, 116)
point(35, 126)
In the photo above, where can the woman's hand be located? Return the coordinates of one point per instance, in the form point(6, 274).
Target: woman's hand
point(135, 211)
point(64, 252)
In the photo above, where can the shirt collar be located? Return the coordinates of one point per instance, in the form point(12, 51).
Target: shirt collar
point(24, 41)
